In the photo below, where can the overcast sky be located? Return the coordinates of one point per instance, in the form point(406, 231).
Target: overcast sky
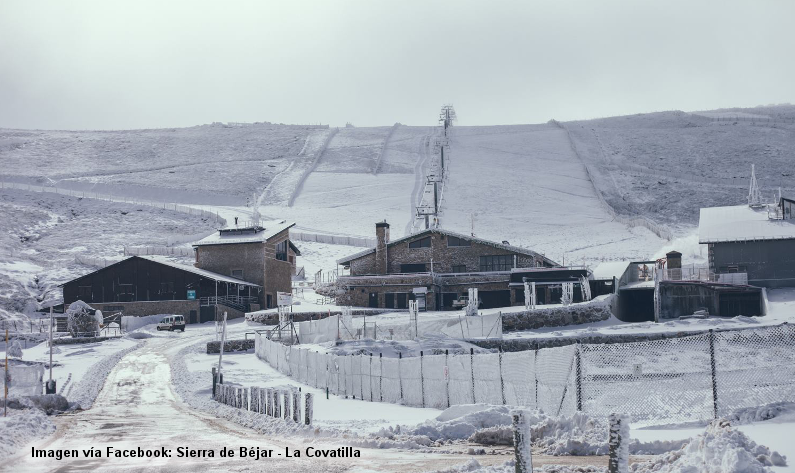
point(145, 64)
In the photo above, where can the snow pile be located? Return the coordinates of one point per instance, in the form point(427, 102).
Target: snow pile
point(578, 434)
point(132, 322)
point(22, 427)
point(721, 449)
point(760, 413)
point(15, 350)
point(510, 467)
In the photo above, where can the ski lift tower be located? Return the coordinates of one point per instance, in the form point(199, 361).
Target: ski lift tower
point(447, 117)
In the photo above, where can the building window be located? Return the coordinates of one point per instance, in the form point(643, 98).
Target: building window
point(459, 268)
point(125, 293)
point(237, 273)
point(421, 243)
point(496, 263)
point(389, 300)
point(281, 250)
point(455, 241)
point(413, 268)
point(166, 287)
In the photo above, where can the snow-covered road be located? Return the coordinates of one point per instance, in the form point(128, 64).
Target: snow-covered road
point(138, 408)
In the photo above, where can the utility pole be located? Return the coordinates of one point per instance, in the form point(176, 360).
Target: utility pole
point(221, 356)
point(5, 381)
point(50, 384)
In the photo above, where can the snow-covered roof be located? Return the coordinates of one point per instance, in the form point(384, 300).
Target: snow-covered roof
point(610, 269)
point(515, 249)
point(201, 272)
point(741, 223)
point(261, 232)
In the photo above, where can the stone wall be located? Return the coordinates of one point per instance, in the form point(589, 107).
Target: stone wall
point(142, 308)
point(222, 259)
point(557, 316)
point(230, 346)
point(272, 317)
point(75, 341)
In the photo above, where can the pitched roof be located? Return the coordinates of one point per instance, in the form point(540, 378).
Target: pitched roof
point(184, 267)
point(741, 223)
point(515, 249)
point(246, 233)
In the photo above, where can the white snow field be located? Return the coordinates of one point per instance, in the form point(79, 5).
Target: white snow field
point(43, 233)
point(525, 184)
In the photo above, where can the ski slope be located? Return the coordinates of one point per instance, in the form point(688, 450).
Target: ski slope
point(525, 184)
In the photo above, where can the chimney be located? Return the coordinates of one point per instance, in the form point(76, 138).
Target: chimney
point(381, 240)
point(674, 260)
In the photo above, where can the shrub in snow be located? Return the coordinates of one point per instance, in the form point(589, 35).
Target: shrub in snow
point(80, 321)
point(720, 449)
point(15, 350)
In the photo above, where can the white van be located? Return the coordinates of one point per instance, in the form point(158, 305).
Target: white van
point(171, 323)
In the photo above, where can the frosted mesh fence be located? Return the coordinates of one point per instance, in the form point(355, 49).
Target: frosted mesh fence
point(462, 389)
point(660, 381)
point(487, 378)
point(555, 369)
point(518, 373)
point(435, 381)
point(754, 367)
point(318, 331)
point(668, 379)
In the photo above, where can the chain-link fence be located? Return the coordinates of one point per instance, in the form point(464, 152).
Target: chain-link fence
point(671, 380)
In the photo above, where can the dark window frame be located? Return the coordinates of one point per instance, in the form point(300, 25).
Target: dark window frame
point(456, 242)
point(237, 277)
point(404, 268)
point(282, 249)
point(491, 263)
point(420, 243)
point(459, 268)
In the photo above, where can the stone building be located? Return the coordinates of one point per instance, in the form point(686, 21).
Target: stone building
point(260, 253)
point(434, 267)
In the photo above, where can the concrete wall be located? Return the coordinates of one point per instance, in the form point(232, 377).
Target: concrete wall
point(769, 263)
point(559, 315)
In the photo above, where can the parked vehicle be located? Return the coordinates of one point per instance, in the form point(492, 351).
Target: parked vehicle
point(171, 323)
point(462, 302)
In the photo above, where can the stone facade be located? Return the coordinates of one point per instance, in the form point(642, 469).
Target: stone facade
point(439, 254)
point(142, 308)
point(230, 346)
point(256, 260)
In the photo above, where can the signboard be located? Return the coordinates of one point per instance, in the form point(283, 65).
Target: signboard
point(284, 299)
point(191, 294)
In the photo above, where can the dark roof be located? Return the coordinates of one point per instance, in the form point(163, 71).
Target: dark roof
point(184, 267)
point(515, 249)
point(294, 248)
point(548, 274)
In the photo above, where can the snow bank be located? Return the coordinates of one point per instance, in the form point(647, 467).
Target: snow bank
point(721, 449)
point(130, 322)
point(510, 466)
point(22, 427)
point(578, 434)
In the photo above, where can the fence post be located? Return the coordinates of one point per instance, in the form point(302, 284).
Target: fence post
point(714, 380)
point(535, 372)
point(472, 371)
point(287, 395)
point(422, 381)
point(521, 444)
point(380, 377)
point(447, 375)
point(308, 409)
point(297, 406)
point(400, 377)
point(578, 367)
point(277, 408)
point(618, 444)
point(502, 381)
point(370, 378)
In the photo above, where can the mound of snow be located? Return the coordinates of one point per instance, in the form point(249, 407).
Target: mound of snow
point(22, 427)
point(720, 449)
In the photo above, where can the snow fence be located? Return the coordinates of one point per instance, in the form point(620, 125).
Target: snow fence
point(692, 378)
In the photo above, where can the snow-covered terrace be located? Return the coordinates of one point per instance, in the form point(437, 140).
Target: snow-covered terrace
point(741, 223)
